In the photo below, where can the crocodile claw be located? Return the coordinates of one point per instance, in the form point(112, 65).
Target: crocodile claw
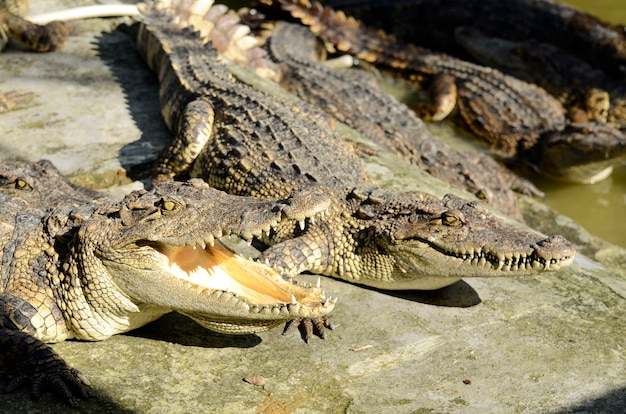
point(47, 370)
point(309, 327)
point(65, 383)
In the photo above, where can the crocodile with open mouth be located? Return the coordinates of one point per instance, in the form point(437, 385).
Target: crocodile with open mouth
point(246, 142)
point(89, 270)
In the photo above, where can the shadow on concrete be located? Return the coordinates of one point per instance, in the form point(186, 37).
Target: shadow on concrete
point(140, 86)
point(21, 402)
point(182, 330)
point(612, 403)
point(457, 295)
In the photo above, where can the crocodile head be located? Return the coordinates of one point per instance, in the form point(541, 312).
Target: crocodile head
point(158, 251)
point(582, 152)
point(41, 185)
point(417, 241)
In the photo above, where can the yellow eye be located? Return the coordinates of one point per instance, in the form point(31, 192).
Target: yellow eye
point(168, 205)
point(22, 185)
point(452, 218)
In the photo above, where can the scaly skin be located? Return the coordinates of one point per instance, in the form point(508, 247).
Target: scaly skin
point(383, 119)
point(513, 117)
point(431, 23)
point(577, 84)
point(245, 142)
point(41, 185)
point(39, 38)
point(93, 270)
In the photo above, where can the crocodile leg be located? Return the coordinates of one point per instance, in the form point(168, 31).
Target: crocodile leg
point(46, 38)
point(297, 255)
point(40, 366)
point(300, 254)
point(31, 360)
point(442, 95)
point(195, 128)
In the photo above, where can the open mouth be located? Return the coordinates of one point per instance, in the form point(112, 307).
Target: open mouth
point(216, 267)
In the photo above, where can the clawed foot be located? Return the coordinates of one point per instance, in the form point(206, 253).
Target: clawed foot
point(309, 327)
point(35, 363)
point(66, 383)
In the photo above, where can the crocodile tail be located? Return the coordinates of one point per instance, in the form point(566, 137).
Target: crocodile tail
point(217, 24)
point(346, 33)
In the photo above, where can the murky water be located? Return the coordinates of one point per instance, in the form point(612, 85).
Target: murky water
point(613, 11)
point(600, 208)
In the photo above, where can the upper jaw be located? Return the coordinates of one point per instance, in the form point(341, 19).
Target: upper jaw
point(217, 287)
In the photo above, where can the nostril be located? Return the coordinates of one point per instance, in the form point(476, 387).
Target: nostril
point(555, 247)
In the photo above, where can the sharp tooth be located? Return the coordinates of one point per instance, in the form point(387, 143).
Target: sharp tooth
point(194, 247)
point(301, 222)
point(293, 300)
point(203, 245)
point(327, 302)
point(312, 218)
point(319, 282)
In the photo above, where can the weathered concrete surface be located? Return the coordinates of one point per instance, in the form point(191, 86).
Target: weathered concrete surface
point(550, 344)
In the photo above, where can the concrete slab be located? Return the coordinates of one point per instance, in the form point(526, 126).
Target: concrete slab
point(549, 344)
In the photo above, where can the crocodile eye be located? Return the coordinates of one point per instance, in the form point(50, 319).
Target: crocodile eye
point(22, 185)
point(168, 205)
point(452, 218)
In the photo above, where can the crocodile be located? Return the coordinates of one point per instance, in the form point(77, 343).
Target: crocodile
point(520, 121)
point(245, 142)
point(41, 185)
point(40, 38)
point(376, 115)
point(431, 23)
point(586, 91)
point(88, 271)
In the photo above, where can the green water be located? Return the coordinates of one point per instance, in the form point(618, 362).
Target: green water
point(601, 207)
point(613, 11)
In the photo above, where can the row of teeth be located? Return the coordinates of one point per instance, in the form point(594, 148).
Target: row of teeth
point(286, 308)
point(228, 295)
point(519, 262)
point(290, 309)
point(247, 237)
point(322, 215)
point(484, 258)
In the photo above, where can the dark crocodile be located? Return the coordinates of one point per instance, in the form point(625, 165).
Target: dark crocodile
point(88, 271)
point(518, 119)
point(245, 142)
point(39, 38)
point(359, 103)
point(587, 92)
point(431, 23)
